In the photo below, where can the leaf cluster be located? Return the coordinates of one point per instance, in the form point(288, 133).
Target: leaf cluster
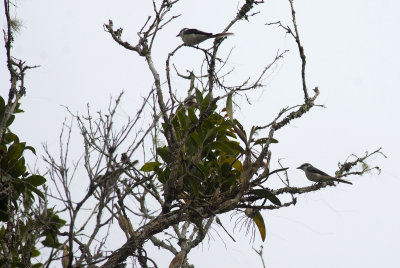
point(210, 156)
point(21, 224)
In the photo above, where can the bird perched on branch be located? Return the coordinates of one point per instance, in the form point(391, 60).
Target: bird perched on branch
point(316, 175)
point(193, 37)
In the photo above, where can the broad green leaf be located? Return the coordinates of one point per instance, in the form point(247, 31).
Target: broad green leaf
point(162, 176)
point(229, 109)
point(199, 97)
point(36, 180)
point(210, 134)
point(235, 146)
point(265, 193)
point(165, 154)
point(35, 253)
point(222, 147)
point(205, 103)
point(17, 167)
point(10, 137)
point(231, 133)
point(192, 115)
point(258, 219)
point(15, 150)
point(36, 191)
point(37, 265)
point(195, 138)
point(183, 120)
point(149, 166)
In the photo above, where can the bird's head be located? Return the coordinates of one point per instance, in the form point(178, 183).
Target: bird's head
point(181, 32)
point(304, 166)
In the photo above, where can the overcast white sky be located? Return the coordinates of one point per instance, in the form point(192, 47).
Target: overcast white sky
point(352, 50)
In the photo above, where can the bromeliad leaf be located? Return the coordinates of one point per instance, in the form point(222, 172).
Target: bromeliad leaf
point(150, 166)
point(265, 140)
point(223, 147)
point(259, 221)
point(265, 193)
point(183, 119)
point(199, 97)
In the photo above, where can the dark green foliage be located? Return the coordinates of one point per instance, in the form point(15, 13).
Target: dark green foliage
point(19, 192)
point(209, 161)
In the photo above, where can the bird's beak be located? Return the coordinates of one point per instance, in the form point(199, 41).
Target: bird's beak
point(177, 35)
point(299, 167)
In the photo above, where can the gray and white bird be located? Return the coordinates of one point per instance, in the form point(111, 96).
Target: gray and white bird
point(316, 175)
point(193, 37)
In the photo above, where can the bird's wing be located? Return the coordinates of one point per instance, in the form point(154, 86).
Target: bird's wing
point(195, 31)
point(317, 171)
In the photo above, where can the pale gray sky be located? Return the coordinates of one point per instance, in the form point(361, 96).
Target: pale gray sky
point(352, 50)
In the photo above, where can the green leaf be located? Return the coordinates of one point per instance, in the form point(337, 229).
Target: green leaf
point(265, 140)
point(30, 148)
point(236, 164)
point(258, 219)
point(37, 265)
point(35, 253)
point(15, 150)
point(205, 103)
point(235, 146)
point(36, 180)
point(229, 109)
point(210, 134)
point(19, 187)
point(162, 176)
point(10, 120)
point(199, 97)
point(183, 120)
point(222, 147)
point(150, 166)
point(165, 154)
point(192, 115)
point(17, 109)
point(17, 167)
point(10, 137)
point(265, 193)
point(195, 138)
point(51, 241)
point(36, 191)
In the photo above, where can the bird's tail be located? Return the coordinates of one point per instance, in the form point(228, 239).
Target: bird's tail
point(220, 35)
point(339, 180)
